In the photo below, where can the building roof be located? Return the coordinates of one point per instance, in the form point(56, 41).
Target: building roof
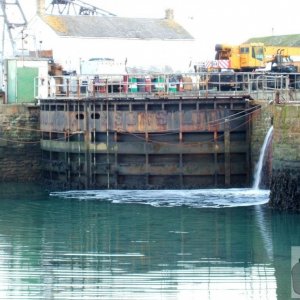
point(116, 27)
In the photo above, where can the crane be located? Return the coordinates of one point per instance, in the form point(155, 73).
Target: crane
point(12, 25)
point(75, 7)
point(253, 56)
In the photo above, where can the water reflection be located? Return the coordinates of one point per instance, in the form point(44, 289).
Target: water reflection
point(62, 247)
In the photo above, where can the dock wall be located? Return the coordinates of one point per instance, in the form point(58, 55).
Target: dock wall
point(285, 191)
point(20, 154)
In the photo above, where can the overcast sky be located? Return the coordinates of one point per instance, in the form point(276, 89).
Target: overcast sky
point(230, 20)
point(212, 21)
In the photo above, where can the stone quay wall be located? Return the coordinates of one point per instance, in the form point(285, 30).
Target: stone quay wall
point(20, 154)
point(285, 185)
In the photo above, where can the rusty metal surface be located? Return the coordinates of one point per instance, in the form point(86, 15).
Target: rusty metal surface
point(181, 144)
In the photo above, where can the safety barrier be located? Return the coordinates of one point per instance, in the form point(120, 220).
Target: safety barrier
point(168, 85)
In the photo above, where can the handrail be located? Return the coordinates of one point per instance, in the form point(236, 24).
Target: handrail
point(165, 85)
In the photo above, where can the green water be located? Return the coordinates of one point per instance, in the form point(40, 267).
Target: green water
point(68, 248)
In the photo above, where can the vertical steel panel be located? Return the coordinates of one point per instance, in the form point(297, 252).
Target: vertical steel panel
point(227, 153)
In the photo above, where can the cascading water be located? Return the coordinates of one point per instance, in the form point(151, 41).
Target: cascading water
point(261, 220)
point(259, 165)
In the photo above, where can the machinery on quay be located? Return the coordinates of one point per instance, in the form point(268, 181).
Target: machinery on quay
point(253, 56)
point(258, 58)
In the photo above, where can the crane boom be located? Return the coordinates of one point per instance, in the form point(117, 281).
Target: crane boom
point(76, 7)
point(13, 23)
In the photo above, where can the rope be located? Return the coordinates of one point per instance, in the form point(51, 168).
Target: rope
point(35, 142)
point(19, 141)
point(191, 143)
point(217, 122)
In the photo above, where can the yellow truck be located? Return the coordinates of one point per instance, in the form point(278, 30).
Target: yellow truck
point(249, 57)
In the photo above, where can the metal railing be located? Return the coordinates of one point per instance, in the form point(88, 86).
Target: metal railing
point(258, 85)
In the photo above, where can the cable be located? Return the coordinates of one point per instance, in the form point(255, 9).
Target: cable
point(187, 144)
point(19, 141)
point(217, 122)
point(195, 130)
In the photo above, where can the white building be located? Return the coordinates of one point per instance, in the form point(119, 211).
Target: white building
point(141, 42)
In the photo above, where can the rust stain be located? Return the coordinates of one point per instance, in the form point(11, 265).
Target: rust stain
point(141, 122)
point(131, 118)
point(118, 121)
point(187, 118)
point(103, 120)
point(161, 118)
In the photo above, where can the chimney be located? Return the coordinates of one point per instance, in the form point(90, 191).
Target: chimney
point(169, 14)
point(40, 7)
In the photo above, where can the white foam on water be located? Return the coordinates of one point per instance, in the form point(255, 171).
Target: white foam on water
point(199, 198)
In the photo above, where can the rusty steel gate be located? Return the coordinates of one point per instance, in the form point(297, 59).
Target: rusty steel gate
point(115, 143)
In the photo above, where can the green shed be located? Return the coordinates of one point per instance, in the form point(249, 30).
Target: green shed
point(22, 76)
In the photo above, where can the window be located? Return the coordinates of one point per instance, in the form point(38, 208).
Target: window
point(244, 50)
point(258, 53)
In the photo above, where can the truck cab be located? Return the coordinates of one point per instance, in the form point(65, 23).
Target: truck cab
point(245, 57)
point(251, 56)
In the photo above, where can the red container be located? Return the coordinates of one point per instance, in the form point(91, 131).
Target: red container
point(102, 86)
point(147, 84)
point(125, 84)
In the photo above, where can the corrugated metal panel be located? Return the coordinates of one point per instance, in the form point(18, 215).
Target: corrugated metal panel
point(115, 27)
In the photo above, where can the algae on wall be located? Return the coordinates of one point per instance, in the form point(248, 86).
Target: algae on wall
point(20, 153)
point(285, 191)
point(287, 134)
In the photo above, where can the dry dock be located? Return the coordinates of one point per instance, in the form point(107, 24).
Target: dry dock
point(83, 136)
point(152, 143)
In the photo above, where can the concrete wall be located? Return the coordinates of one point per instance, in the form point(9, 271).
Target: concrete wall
point(20, 152)
point(285, 186)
